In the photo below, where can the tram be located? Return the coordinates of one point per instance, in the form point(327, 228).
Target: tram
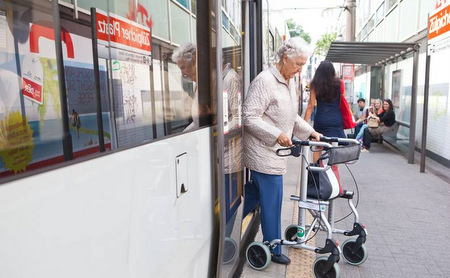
point(100, 174)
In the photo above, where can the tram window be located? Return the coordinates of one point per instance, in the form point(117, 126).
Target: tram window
point(159, 105)
point(140, 101)
point(194, 6)
point(180, 20)
point(131, 92)
point(178, 104)
point(87, 4)
point(30, 111)
point(153, 14)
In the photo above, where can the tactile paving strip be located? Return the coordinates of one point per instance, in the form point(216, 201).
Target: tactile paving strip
point(301, 260)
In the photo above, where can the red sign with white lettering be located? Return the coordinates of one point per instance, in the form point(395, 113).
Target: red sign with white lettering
point(123, 33)
point(439, 23)
point(32, 90)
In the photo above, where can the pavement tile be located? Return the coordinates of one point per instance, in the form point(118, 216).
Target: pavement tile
point(406, 213)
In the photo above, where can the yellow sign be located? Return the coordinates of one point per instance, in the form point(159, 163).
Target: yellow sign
point(16, 142)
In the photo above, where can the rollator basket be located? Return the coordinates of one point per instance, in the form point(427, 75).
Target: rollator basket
point(343, 154)
point(325, 185)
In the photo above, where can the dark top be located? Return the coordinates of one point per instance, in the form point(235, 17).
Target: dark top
point(387, 117)
point(328, 119)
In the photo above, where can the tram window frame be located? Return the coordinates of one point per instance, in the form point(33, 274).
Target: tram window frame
point(83, 18)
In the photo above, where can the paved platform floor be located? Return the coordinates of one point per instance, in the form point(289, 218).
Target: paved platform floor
point(406, 212)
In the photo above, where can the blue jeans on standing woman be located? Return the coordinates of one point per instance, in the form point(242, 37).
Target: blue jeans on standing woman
point(266, 190)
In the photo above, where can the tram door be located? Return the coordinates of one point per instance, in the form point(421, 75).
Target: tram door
point(231, 95)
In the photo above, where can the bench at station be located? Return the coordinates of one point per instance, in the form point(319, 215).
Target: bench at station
point(392, 132)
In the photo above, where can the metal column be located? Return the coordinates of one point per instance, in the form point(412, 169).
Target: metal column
point(423, 149)
point(412, 129)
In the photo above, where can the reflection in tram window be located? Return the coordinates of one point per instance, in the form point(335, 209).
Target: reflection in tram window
point(232, 127)
point(186, 59)
point(131, 91)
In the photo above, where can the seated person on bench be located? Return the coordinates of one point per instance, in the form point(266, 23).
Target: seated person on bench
point(361, 114)
point(386, 119)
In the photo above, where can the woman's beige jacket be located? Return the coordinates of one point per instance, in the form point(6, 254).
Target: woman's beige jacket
point(270, 108)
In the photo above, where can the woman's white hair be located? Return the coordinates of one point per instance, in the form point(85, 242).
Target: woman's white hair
point(293, 48)
point(186, 52)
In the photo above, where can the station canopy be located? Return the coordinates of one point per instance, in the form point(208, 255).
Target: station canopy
point(367, 53)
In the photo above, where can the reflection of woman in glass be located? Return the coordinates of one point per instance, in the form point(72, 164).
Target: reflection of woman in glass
point(231, 87)
point(186, 59)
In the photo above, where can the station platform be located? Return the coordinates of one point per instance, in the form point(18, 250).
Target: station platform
point(406, 214)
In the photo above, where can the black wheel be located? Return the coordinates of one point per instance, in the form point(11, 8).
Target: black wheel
point(258, 255)
point(229, 250)
point(291, 232)
point(354, 258)
point(319, 266)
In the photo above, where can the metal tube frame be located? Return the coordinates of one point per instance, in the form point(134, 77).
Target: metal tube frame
point(412, 130)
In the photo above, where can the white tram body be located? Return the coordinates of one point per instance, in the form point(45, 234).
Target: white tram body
point(116, 221)
point(99, 176)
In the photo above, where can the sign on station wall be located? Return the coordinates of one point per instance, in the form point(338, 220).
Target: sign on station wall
point(438, 28)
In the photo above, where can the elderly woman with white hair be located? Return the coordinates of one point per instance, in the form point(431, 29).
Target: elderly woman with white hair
point(270, 118)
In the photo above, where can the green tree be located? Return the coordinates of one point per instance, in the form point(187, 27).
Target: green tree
point(297, 30)
point(323, 44)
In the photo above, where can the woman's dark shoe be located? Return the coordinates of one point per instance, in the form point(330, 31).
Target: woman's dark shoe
point(280, 259)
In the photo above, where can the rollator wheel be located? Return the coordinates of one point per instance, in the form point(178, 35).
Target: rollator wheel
point(258, 255)
point(229, 250)
point(291, 232)
point(353, 258)
point(319, 266)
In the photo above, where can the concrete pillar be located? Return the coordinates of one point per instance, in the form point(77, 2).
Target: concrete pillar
point(350, 21)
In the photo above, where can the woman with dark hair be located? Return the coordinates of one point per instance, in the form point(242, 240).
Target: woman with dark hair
point(386, 119)
point(325, 89)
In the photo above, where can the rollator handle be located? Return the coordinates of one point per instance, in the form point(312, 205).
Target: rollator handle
point(295, 149)
point(310, 143)
point(338, 140)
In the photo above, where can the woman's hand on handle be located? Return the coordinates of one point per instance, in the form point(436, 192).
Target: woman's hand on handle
point(284, 140)
point(316, 135)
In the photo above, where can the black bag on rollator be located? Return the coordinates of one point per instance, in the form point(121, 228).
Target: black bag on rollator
point(324, 185)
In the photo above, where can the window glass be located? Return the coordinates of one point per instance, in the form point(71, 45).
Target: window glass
point(194, 30)
point(131, 92)
point(390, 4)
point(408, 9)
point(178, 102)
point(87, 4)
point(380, 13)
point(180, 24)
point(194, 6)
point(391, 20)
point(184, 3)
point(31, 121)
point(370, 24)
point(158, 87)
point(140, 100)
point(182, 108)
point(154, 14)
point(426, 6)
point(232, 96)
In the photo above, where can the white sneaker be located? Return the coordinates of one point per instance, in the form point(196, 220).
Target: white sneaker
point(364, 150)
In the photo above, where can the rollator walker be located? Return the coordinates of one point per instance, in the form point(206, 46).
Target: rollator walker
point(316, 196)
